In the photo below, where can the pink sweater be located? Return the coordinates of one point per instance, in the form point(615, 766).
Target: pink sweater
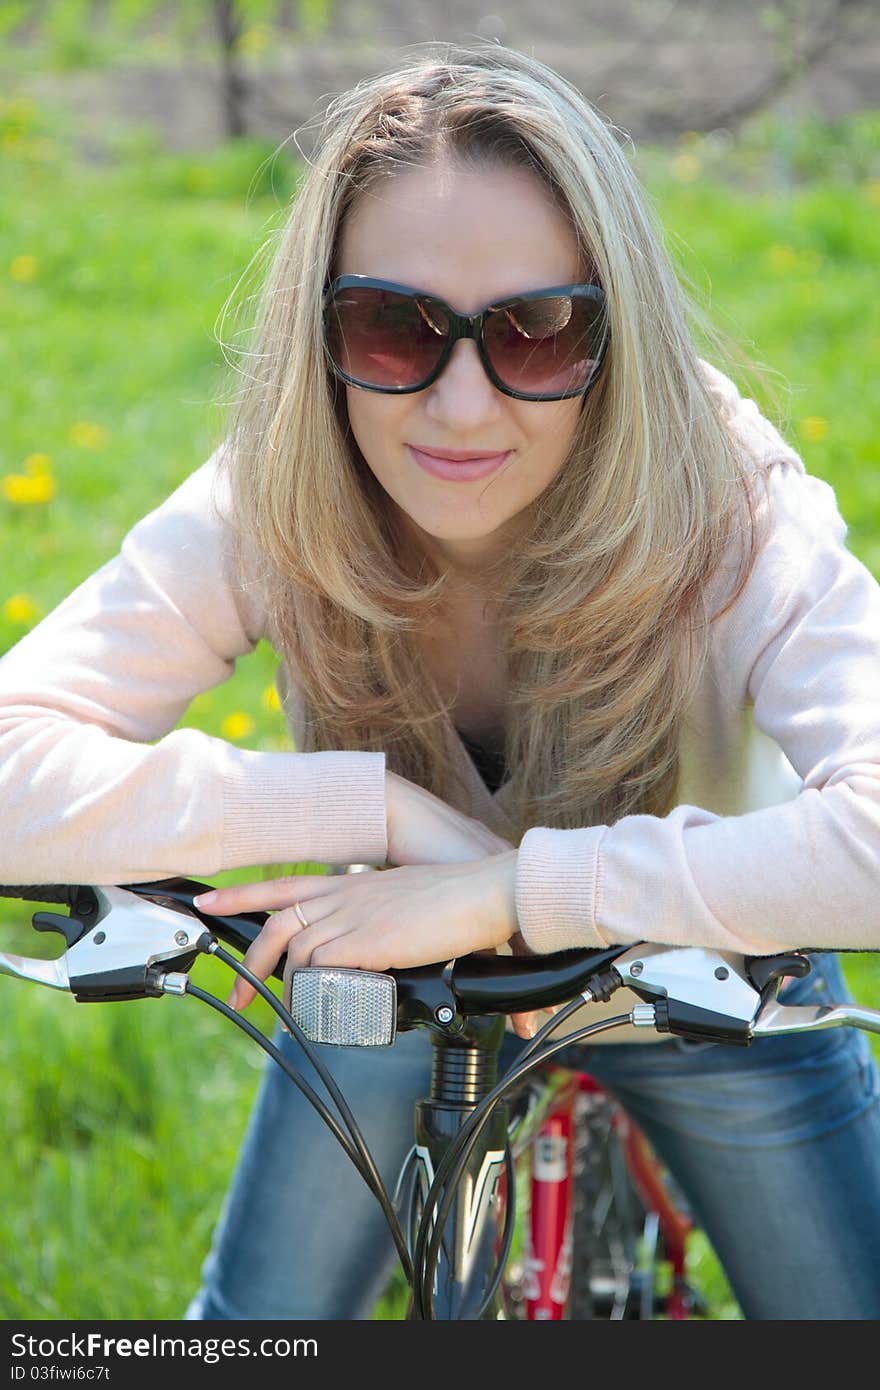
point(775, 844)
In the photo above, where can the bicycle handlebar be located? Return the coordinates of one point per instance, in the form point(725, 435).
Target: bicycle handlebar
point(135, 940)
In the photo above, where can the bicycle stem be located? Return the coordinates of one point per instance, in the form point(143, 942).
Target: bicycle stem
point(464, 1070)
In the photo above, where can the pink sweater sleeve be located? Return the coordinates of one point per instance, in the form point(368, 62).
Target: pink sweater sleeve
point(802, 646)
point(95, 786)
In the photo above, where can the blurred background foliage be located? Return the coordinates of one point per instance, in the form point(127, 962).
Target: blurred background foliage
point(118, 259)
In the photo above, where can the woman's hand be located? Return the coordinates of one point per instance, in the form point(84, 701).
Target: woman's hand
point(422, 829)
point(413, 915)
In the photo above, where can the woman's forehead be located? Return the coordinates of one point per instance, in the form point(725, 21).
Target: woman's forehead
point(463, 234)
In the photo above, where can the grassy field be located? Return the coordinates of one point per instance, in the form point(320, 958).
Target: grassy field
point(122, 1123)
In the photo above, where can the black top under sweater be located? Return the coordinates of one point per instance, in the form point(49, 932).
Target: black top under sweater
point(490, 764)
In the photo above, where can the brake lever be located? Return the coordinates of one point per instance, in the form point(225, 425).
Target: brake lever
point(119, 946)
point(52, 973)
point(42, 972)
point(800, 1018)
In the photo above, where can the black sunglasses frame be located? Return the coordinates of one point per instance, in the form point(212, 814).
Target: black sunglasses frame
point(463, 326)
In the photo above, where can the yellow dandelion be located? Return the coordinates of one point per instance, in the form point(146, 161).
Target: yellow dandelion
point(21, 609)
point(237, 725)
point(871, 190)
point(23, 109)
point(24, 269)
point(813, 427)
point(686, 167)
point(254, 41)
point(197, 178)
point(24, 490)
point(270, 699)
point(38, 465)
point(85, 435)
point(782, 258)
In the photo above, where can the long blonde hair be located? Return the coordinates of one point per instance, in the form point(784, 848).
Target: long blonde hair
point(602, 605)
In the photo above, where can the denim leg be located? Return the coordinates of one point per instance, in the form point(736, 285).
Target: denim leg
point(777, 1148)
point(300, 1234)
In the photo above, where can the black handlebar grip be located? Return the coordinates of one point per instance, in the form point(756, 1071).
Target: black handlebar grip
point(66, 893)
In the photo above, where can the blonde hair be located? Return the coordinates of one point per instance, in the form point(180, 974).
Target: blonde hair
point(603, 604)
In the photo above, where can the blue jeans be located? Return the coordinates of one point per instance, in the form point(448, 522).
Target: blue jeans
point(776, 1146)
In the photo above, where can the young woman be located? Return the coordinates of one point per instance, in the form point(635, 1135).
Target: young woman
point(569, 640)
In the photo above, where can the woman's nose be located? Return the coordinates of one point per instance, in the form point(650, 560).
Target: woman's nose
point(463, 395)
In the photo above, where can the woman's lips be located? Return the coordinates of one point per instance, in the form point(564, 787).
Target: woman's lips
point(459, 470)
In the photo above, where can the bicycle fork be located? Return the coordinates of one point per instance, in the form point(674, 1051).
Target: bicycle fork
point(548, 1233)
point(547, 1258)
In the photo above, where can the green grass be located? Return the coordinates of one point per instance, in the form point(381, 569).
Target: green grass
point(123, 1122)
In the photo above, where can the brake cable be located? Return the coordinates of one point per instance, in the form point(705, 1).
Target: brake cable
point(355, 1147)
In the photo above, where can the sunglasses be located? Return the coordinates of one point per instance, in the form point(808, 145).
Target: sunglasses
point(543, 346)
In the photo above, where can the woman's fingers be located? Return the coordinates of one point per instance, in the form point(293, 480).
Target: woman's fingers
point(286, 899)
point(307, 948)
point(266, 950)
point(295, 903)
point(405, 917)
point(266, 895)
point(525, 1025)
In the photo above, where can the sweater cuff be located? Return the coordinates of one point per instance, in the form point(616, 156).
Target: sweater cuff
point(557, 889)
point(283, 808)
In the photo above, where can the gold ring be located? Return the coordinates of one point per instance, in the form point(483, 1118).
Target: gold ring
point(300, 914)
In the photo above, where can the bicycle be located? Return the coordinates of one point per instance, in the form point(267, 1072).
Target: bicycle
point(452, 1218)
point(602, 1219)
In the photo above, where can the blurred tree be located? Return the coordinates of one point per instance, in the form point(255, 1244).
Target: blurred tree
point(229, 21)
point(80, 33)
point(801, 32)
point(248, 25)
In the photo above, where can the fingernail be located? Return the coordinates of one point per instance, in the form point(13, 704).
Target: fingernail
point(206, 899)
point(232, 1001)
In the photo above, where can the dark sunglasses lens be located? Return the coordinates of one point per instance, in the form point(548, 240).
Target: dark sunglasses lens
point(546, 346)
point(385, 339)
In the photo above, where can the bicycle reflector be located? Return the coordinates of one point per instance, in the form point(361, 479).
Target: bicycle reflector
point(346, 1008)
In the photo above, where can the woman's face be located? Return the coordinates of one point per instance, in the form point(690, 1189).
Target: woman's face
point(469, 237)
